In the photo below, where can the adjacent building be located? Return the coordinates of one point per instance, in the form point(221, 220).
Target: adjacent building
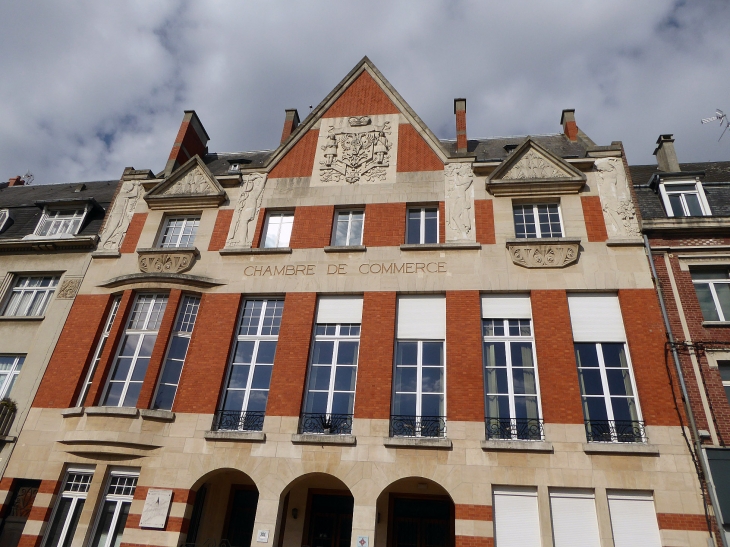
point(367, 336)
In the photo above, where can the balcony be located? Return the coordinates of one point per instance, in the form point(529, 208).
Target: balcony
point(233, 420)
point(520, 429)
point(615, 431)
point(325, 424)
point(418, 426)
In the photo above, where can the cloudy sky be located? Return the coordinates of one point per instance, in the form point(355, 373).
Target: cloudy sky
point(89, 87)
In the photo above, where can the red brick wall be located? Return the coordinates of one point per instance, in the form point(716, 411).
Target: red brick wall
point(187, 144)
point(646, 337)
point(473, 512)
point(292, 355)
point(465, 379)
point(680, 521)
point(260, 220)
point(299, 161)
point(560, 391)
point(74, 351)
point(312, 227)
point(375, 362)
point(474, 541)
point(220, 230)
point(593, 215)
point(207, 358)
point(385, 224)
point(414, 154)
point(484, 220)
point(129, 243)
point(442, 221)
point(363, 97)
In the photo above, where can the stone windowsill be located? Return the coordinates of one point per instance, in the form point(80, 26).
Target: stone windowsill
point(541, 240)
point(250, 436)
point(22, 318)
point(160, 415)
point(317, 438)
point(517, 446)
point(345, 249)
point(168, 250)
point(625, 242)
point(7, 439)
point(106, 254)
point(451, 246)
point(256, 251)
point(417, 442)
point(716, 323)
point(73, 411)
point(629, 449)
point(123, 411)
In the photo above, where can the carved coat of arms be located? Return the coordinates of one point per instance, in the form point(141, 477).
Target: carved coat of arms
point(353, 155)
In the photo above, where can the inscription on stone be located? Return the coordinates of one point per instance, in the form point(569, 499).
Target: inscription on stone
point(369, 268)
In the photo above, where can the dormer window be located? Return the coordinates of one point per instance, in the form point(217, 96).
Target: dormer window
point(4, 219)
point(60, 222)
point(684, 199)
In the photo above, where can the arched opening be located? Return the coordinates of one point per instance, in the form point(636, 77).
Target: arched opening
point(224, 509)
point(315, 511)
point(414, 512)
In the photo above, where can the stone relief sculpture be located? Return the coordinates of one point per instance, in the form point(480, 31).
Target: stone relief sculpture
point(69, 288)
point(533, 166)
point(194, 182)
point(543, 255)
point(459, 199)
point(120, 215)
point(618, 207)
point(247, 208)
point(353, 155)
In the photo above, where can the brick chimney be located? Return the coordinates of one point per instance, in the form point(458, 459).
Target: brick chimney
point(666, 157)
point(291, 121)
point(570, 128)
point(16, 181)
point(460, 111)
point(192, 139)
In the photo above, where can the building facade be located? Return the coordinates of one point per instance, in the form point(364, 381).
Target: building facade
point(685, 210)
point(367, 336)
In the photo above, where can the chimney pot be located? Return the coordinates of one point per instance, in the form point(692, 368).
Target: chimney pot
point(16, 181)
point(291, 122)
point(192, 139)
point(570, 128)
point(460, 111)
point(666, 156)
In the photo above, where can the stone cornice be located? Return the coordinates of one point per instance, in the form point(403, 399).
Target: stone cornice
point(40, 245)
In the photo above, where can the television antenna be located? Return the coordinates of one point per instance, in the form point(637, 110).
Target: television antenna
point(28, 178)
point(719, 115)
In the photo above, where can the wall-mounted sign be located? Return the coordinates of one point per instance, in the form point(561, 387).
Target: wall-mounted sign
point(156, 506)
point(262, 536)
point(268, 270)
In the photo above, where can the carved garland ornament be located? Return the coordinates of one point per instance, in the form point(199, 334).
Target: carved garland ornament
point(176, 262)
point(545, 255)
point(356, 155)
point(533, 166)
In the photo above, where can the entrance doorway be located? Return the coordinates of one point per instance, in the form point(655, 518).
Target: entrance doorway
point(421, 522)
point(238, 529)
point(330, 520)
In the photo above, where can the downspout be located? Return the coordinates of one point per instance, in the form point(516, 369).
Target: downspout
point(685, 396)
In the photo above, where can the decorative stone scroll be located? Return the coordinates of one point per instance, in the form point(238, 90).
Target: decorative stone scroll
point(69, 288)
point(248, 206)
point(618, 207)
point(155, 261)
point(120, 215)
point(459, 201)
point(553, 254)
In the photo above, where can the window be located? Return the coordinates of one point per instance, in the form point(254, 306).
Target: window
point(4, 219)
point(724, 368)
point(423, 225)
point(30, 296)
point(684, 199)
point(516, 516)
point(99, 348)
point(348, 228)
point(68, 509)
point(537, 220)
point(170, 377)
point(633, 519)
point(179, 232)
point(58, 222)
point(713, 292)
point(574, 516)
point(278, 229)
point(249, 376)
point(134, 352)
point(113, 514)
point(10, 366)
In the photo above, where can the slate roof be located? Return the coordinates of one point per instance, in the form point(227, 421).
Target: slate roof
point(21, 200)
point(219, 163)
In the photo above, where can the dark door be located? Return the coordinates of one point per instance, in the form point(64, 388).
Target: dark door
point(242, 514)
point(421, 523)
point(330, 521)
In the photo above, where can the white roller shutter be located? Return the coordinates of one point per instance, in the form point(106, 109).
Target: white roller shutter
point(575, 523)
point(596, 318)
point(633, 520)
point(506, 306)
point(422, 317)
point(516, 519)
point(339, 309)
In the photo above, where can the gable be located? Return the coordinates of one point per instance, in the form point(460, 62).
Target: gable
point(192, 186)
point(414, 153)
point(363, 97)
point(299, 160)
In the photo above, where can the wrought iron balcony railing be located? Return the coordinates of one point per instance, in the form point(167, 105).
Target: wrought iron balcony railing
point(523, 429)
point(615, 431)
point(326, 424)
point(233, 420)
point(418, 426)
point(7, 415)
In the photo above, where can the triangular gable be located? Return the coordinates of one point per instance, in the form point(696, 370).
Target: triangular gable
point(191, 186)
point(532, 169)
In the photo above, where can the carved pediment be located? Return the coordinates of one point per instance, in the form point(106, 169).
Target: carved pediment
point(192, 186)
point(533, 170)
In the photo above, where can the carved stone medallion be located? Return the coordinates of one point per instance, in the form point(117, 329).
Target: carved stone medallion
point(69, 288)
point(554, 254)
point(153, 261)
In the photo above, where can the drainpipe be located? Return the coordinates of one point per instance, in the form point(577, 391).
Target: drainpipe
point(687, 406)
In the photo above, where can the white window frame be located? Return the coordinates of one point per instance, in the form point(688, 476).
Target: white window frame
point(282, 216)
point(538, 233)
point(7, 384)
point(508, 339)
point(665, 189)
point(711, 283)
point(119, 499)
point(143, 333)
point(25, 280)
point(191, 222)
point(74, 496)
point(99, 348)
point(422, 224)
point(349, 213)
point(4, 218)
point(64, 217)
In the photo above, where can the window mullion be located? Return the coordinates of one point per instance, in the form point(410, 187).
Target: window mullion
point(716, 300)
point(423, 226)
point(249, 380)
point(419, 377)
point(67, 520)
point(349, 228)
point(510, 380)
point(113, 526)
point(536, 217)
point(604, 382)
point(333, 370)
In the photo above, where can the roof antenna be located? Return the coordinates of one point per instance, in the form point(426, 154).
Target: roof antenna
point(28, 178)
point(719, 115)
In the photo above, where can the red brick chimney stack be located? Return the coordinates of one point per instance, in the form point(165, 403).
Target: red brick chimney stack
point(460, 111)
point(191, 139)
point(16, 181)
point(291, 121)
point(570, 128)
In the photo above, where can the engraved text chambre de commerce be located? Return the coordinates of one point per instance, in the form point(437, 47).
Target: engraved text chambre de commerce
point(345, 269)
